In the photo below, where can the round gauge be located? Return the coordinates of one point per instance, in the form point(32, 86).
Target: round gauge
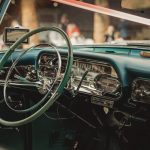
point(47, 71)
point(106, 83)
point(47, 66)
point(141, 90)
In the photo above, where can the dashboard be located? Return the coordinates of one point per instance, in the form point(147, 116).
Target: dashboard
point(101, 77)
point(104, 81)
point(103, 90)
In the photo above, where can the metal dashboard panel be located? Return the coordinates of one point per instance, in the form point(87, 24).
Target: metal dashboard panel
point(101, 77)
point(123, 64)
point(141, 90)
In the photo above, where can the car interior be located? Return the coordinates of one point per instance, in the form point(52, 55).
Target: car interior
point(73, 97)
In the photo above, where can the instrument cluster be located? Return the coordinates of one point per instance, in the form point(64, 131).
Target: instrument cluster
point(47, 65)
point(100, 80)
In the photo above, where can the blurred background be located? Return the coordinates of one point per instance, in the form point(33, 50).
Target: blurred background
point(83, 27)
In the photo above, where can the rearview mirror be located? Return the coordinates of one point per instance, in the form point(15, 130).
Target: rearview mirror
point(11, 35)
point(135, 4)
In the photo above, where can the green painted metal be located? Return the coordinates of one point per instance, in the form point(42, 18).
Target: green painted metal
point(3, 8)
point(124, 50)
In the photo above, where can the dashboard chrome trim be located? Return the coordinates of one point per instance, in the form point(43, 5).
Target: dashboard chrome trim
point(141, 90)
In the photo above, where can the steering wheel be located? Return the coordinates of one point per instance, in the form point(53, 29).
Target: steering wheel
point(56, 93)
point(43, 83)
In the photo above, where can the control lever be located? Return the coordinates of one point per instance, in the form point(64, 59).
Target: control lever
point(20, 78)
point(138, 119)
point(24, 82)
point(83, 77)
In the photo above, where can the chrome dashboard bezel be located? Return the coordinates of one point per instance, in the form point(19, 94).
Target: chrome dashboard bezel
point(92, 91)
point(133, 85)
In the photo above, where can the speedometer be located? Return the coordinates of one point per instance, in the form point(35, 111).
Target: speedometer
point(48, 68)
point(47, 65)
point(106, 83)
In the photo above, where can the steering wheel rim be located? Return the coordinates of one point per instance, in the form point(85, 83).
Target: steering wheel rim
point(61, 85)
point(28, 82)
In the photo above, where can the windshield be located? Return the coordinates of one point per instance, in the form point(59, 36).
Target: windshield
point(82, 26)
